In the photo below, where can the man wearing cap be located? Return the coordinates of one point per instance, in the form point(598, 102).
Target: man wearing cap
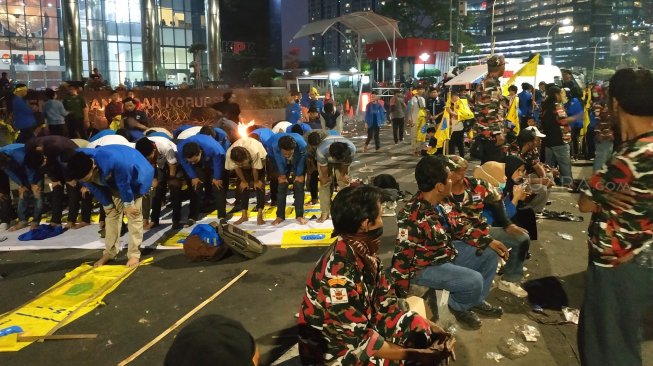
point(540, 180)
point(464, 211)
point(488, 108)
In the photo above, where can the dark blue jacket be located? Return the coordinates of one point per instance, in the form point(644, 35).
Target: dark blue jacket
point(17, 171)
point(293, 112)
point(305, 128)
point(264, 134)
point(222, 138)
point(122, 169)
point(23, 114)
point(299, 157)
point(213, 155)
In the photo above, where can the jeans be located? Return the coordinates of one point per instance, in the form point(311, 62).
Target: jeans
point(519, 244)
point(468, 279)
point(22, 208)
point(603, 154)
point(457, 141)
point(373, 133)
point(560, 155)
point(611, 325)
point(398, 129)
point(298, 195)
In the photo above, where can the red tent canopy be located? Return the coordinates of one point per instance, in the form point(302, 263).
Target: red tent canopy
point(407, 47)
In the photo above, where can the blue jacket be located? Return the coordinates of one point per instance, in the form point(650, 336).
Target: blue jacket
point(293, 113)
point(525, 103)
point(511, 211)
point(374, 115)
point(298, 161)
point(122, 169)
point(264, 134)
point(101, 134)
point(17, 171)
point(305, 128)
point(213, 155)
point(222, 138)
point(573, 107)
point(23, 114)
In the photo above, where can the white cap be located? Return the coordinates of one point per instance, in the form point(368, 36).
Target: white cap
point(537, 132)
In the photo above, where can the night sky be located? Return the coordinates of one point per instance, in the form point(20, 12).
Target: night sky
point(294, 15)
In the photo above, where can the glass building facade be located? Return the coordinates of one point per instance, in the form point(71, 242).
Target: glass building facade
point(36, 37)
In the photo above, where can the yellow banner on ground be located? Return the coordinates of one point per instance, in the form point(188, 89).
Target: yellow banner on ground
point(307, 238)
point(78, 293)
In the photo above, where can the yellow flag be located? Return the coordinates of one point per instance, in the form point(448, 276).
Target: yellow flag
point(528, 70)
point(587, 97)
point(443, 131)
point(513, 114)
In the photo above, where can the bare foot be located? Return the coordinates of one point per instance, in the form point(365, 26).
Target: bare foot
point(33, 226)
point(69, 225)
point(259, 220)
point(302, 220)
point(148, 225)
point(102, 261)
point(18, 226)
point(365, 149)
point(242, 219)
point(80, 225)
point(322, 219)
point(277, 221)
point(315, 201)
point(132, 262)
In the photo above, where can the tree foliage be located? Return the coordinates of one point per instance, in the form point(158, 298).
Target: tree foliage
point(317, 64)
point(262, 77)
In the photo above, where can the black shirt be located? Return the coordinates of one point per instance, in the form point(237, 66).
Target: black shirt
point(435, 106)
point(230, 111)
point(551, 128)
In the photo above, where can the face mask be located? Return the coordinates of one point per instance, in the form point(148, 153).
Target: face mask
point(502, 186)
point(376, 233)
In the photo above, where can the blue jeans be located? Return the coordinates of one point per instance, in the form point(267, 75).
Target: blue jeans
point(22, 208)
point(519, 244)
point(602, 154)
point(560, 155)
point(468, 279)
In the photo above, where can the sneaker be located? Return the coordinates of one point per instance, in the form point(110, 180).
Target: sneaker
point(488, 310)
point(467, 318)
point(512, 288)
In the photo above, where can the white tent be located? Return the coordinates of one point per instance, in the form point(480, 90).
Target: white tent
point(470, 75)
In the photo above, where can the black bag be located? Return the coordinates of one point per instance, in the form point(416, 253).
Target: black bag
point(389, 186)
point(547, 292)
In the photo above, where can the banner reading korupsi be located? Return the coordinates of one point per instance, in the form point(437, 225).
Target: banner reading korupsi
point(78, 293)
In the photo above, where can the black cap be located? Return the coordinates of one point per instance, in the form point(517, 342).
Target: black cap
point(526, 136)
point(212, 340)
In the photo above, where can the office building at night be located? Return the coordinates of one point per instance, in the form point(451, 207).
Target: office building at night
point(46, 41)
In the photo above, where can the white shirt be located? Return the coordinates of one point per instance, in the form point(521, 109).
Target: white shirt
point(110, 140)
point(189, 132)
point(255, 149)
point(416, 103)
point(167, 150)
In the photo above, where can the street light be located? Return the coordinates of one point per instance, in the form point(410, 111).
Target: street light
point(614, 36)
point(565, 21)
point(424, 57)
point(636, 48)
point(594, 63)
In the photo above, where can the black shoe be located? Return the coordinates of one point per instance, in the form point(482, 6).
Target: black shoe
point(486, 309)
point(177, 226)
point(467, 319)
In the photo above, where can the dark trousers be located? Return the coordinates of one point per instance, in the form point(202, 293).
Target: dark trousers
point(25, 135)
point(373, 133)
point(313, 180)
point(76, 128)
point(58, 130)
point(5, 198)
point(165, 182)
point(398, 129)
point(218, 197)
point(457, 142)
point(610, 328)
point(58, 196)
point(86, 208)
point(243, 195)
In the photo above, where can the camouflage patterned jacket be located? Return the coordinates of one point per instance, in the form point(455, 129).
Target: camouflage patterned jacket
point(422, 241)
point(488, 108)
point(467, 223)
point(348, 312)
point(615, 233)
